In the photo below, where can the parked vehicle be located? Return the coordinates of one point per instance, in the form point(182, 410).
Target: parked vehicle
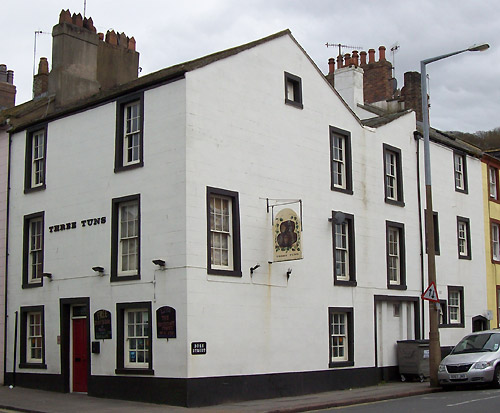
point(475, 359)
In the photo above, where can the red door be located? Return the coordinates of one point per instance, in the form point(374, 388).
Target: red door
point(80, 355)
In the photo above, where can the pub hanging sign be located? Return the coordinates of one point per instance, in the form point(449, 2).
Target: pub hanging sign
point(287, 236)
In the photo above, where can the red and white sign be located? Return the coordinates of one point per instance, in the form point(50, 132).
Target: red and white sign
point(431, 293)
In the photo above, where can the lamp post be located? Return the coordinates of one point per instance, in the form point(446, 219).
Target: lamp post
point(434, 345)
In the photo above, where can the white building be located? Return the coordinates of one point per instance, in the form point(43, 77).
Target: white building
point(145, 235)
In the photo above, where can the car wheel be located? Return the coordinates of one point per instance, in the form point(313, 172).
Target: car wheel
point(496, 377)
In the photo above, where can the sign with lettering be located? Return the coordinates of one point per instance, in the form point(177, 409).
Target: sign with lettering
point(166, 323)
point(73, 225)
point(102, 325)
point(198, 348)
point(287, 236)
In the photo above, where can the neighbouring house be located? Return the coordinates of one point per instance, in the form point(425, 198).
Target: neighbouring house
point(371, 92)
point(7, 100)
point(224, 229)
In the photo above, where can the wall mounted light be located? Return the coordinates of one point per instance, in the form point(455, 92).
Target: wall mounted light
point(159, 262)
point(288, 273)
point(99, 270)
point(48, 275)
point(252, 269)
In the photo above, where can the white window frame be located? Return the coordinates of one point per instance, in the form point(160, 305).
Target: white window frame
point(454, 307)
point(342, 251)
point(492, 172)
point(339, 339)
point(34, 336)
point(132, 133)
point(394, 251)
point(495, 241)
point(135, 333)
point(459, 171)
point(35, 252)
point(221, 233)
point(462, 239)
point(38, 158)
point(125, 239)
point(339, 161)
point(391, 175)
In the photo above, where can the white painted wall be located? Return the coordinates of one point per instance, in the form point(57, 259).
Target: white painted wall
point(283, 152)
point(81, 184)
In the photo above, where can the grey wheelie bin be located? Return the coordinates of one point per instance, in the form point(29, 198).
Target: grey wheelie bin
point(413, 359)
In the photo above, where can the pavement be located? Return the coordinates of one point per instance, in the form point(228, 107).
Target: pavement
point(19, 399)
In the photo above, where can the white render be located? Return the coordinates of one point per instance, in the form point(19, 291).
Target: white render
point(226, 125)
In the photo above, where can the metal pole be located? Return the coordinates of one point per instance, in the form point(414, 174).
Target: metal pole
point(434, 344)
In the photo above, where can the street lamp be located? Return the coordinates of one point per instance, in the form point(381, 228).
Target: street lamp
point(434, 345)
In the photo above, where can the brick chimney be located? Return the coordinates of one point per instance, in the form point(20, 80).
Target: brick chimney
point(7, 88)
point(84, 62)
point(411, 93)
point(41, 79)
point(377, 82)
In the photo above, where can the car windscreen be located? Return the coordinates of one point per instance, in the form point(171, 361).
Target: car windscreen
point(476, 343)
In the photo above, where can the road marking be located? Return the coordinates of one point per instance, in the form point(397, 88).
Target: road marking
point(472, 401)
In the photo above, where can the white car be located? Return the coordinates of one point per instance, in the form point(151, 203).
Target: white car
point(474, 360)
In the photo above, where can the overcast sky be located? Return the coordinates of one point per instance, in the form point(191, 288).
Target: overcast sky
point(464, 89)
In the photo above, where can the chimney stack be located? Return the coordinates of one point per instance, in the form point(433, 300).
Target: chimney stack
point(411, 94)
point(7, 88)
point(41, 79)
point(84, 62)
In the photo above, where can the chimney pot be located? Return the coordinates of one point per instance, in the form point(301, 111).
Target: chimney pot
point(371, 56)
point(122, 40)
point(89, 24)
point(111, 38)
point(43, 66)
point(77, 20)
point(339, 61)
point(347, 59)
point(10, 77)
point(355, 58)
point(101, 36)
point(65, 17)
point(131, 44)
point(331, 65)
point(3, 73)
point(381, 53)
point(363, 58)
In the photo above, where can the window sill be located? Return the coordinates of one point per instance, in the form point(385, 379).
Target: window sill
point(118, 278)
point(122, 168)
point(41, 366)
point(348, 191)
point(32, 285)
point(227, 273)
point(464, 257)
point(394, 202)
point(35, 189)
point(138, 372)
point(397, 287)
point(334, 364)
point(452, 325)
point(295, 104)
point(463, 191)
point(345, 283)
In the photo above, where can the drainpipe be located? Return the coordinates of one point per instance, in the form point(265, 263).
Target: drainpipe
point(7, 262)
point(419, 197)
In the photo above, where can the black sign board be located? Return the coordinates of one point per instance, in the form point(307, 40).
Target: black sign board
point(102, 324)
point(166, 323)
point(199, 348)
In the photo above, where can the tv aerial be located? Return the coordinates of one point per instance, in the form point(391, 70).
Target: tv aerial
point(342, 46)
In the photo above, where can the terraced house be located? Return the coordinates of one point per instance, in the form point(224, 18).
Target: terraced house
point(224, 229)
